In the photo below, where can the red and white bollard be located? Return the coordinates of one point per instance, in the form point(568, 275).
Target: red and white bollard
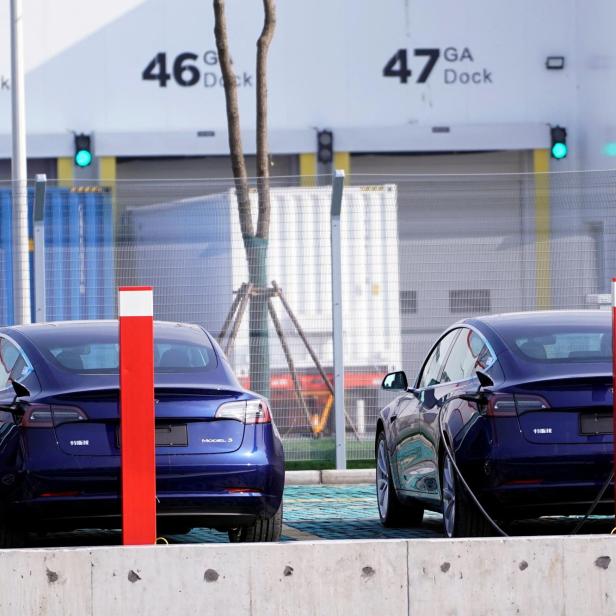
point(137, 431)
point(614, 377)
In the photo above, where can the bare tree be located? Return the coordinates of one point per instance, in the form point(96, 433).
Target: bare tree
point(255, 242)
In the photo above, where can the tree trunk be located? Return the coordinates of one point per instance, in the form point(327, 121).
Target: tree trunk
point(269, 24)
point(238, 163)
point(259, 340)
point(255, 244)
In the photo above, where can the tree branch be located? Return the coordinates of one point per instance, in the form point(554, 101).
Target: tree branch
point(238, 163)
point(269, 25)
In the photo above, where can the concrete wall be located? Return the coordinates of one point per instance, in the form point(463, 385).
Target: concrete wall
point(544, 575)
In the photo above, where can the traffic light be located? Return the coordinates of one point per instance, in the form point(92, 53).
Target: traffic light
point(325, 146)
point(559, 142)
point(83, 150)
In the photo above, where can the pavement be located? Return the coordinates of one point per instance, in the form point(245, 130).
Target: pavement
point(316, 512)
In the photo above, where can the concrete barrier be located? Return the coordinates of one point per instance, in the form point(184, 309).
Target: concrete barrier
point(302, 478)
point(331, 476)
point(543, 576)
point(350, 475)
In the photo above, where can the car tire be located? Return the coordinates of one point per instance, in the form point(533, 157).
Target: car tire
point(461, 517)
point(262, 530)
point(392, 512)
point(11, 537)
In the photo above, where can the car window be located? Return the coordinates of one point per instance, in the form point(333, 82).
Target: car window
point(103, 357)
point(13, 365)
point(566, 346)
point(468, 354)
point(434, 363)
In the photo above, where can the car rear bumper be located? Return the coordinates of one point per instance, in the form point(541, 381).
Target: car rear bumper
point(555, 499)
point(563, 482)
point(210, 490)
point(174, 511)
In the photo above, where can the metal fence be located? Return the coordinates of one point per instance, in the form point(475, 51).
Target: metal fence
point(418, 253)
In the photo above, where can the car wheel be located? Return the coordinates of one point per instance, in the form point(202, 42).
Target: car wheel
point(392, 512)
point(263, 530)
point(11, 537)
point(461, 518)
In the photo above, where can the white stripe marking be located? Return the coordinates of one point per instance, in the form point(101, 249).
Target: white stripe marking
point(136, 304)
point(613, 293)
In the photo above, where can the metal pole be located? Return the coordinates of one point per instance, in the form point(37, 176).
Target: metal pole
point(40, 301)
point(337, 188)
point(21, 260)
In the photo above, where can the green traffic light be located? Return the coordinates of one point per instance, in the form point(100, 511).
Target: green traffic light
point(559, 150)
point(610, 149)
point(83, 158)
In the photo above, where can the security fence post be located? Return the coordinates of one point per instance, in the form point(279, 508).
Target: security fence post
point(19, 231)
point(40, 303)
point(336, 256)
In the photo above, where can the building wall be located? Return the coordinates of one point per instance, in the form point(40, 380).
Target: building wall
point(367, 76)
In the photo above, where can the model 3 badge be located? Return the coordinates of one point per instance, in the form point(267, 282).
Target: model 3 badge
point(216, 440)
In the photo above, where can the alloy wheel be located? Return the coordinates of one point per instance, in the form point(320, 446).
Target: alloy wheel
point(449, 497)
point(382, 479)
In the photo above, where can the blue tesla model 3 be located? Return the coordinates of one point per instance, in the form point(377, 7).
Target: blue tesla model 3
point(219, 457)
point(524, 403)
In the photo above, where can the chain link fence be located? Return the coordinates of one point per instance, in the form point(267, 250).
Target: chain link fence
point(418, 253)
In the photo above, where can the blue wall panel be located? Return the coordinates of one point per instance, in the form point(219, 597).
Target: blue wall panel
point(79, 255)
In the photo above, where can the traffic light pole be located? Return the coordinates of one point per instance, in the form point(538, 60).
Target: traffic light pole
point(19, 173)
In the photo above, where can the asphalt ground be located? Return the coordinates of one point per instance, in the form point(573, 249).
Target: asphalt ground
point(332, 512)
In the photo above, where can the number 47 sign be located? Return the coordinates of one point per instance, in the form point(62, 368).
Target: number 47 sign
point(461, 68)
point(397, 65)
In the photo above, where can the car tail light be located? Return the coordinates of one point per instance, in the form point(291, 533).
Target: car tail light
point(45, 416)
point(530, 403)
point(508, 405)
point(501, 405)
point(248, 412)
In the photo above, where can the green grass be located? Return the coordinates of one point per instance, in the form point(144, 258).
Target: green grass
point(318, 454)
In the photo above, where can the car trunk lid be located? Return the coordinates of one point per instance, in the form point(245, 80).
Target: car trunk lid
point(579, 410)
point(185, 422)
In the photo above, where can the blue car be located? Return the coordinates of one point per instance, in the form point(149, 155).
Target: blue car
point(524, 403)
point(219, 457)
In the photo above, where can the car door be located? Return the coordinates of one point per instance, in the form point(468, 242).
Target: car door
point(13, 366)
point(410, 446)
point(469, 353)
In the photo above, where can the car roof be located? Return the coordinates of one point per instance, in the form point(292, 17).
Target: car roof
point(36, 337)
point(553, 317)
point(513, 321)
point(97, 330)
point(500, 327)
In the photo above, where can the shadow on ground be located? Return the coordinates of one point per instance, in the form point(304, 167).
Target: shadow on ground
point(333, 512)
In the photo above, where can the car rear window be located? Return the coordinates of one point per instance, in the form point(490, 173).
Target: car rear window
point(568, 345)
point(103, 357)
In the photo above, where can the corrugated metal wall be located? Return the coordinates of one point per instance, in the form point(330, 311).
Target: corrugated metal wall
point(79, 255)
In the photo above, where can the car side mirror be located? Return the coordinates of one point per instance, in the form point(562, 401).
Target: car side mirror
point(479, 396)
point(20, 390)
point(484, 379)
point(395, 380)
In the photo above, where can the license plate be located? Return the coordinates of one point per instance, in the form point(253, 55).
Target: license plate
point(596, 423)
point(171, 436)
point(167, 436)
